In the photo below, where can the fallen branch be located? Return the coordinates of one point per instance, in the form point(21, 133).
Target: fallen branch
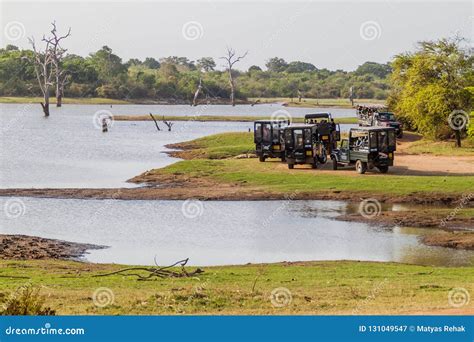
point(160, 272)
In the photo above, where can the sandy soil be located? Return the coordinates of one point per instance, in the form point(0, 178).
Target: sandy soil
point(22, 247)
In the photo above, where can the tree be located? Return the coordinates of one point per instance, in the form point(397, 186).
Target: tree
point(43, 62)
point(107, 64)
point(255, 68)
point(58, 52)
point(206, 64)
point(151, 63)
point(231, 59)
point(298, 66)
point(379, 70)
point(428, 86)
point(276, 64)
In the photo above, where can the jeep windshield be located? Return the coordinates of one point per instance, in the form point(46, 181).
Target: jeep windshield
point(387, 117)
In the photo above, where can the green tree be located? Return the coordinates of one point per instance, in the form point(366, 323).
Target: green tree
point(276, 64)
point(429, 85)
point(206, 64)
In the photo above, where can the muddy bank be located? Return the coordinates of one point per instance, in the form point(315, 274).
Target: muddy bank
point(456, 239)
point(457, 231)
point(22, 247)
point(181, 187)
point(429, 218)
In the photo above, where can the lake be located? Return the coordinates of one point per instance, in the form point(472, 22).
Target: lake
point(68, 149)
point(223, 232)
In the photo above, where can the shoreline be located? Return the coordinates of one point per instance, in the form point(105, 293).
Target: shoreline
point(26, 247)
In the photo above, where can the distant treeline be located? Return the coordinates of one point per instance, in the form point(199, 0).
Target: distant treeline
point(104, 74)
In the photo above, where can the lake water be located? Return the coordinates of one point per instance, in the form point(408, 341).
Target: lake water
point(68, 149)
point(222, 232)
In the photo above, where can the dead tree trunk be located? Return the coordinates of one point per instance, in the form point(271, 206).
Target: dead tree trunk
point(168, 123)
point(156, 123)
point(231, 59)
point(457, 134)
point(196, 94)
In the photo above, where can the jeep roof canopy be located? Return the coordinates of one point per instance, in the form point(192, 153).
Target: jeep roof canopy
point(317, 116)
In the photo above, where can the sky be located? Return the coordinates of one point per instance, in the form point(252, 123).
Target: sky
point(329, 34)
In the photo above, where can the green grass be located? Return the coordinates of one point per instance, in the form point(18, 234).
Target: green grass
point(278, 179)
point(230, 118)
point(293, 102)
point(68, 100)
point(331, 287)
point(443, 148)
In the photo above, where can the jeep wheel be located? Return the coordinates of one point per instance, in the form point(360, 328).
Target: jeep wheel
point(283, 159)
point(361, 166)
point(262, 158)
point(314, 165)
point(400, 134)
point(334, 163)
point(382, 169)
point(291, 166)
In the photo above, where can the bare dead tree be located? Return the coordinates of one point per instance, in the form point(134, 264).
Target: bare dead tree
point(42, 61)
point(198, 90)
point(231, 59)
point(168, 123)
point(58, 53)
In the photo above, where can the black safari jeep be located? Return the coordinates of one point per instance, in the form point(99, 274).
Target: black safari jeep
point(329, 133)
point(367, 147)
point(302, 146)
point(268, 139)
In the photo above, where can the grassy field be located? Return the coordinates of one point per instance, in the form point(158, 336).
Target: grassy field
point(207, 154)
point(332, 287)
point(347, 120)
point(82, 100)
point(293, 102)
point(442, 148)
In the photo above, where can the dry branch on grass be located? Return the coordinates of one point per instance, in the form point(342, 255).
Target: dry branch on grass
point(160, 272)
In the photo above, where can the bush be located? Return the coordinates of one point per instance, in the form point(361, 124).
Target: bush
point(26, 301)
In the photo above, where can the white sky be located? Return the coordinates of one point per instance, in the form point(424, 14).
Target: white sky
point(326, 34)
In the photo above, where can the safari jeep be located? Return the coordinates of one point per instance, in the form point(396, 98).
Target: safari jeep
point(329, 133)
point(302, 146)
point(268, 140)
point(366, 148)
